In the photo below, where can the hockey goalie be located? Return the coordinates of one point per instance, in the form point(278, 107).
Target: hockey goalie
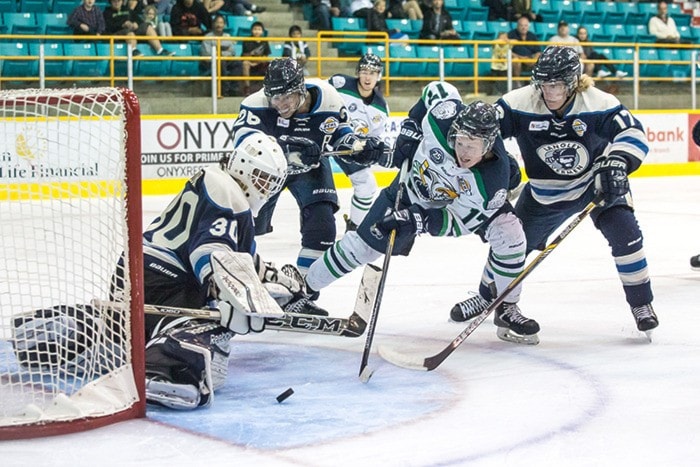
point(200, 252)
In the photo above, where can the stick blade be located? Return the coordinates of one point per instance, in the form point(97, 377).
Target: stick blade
point(402, 360)
point(366, 374)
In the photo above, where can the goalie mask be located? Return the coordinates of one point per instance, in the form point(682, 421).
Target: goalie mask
point(556, 75)
point(284, 86)
point(258, 164)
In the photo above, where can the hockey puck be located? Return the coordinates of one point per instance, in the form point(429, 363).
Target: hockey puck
point(285, 395)
point(696, 133)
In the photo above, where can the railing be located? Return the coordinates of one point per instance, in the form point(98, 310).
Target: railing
point(467, 62)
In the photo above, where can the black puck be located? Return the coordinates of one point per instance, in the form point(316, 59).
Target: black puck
point(285, 395)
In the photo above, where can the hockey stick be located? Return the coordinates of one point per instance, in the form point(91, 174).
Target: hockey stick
point(365, 373)
point(354, 326)
point(432, 362)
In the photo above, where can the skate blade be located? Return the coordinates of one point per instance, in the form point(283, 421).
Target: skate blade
point(649, 334)
point(508, 335)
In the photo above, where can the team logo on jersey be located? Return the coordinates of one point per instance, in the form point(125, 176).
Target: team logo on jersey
point(329, 125)
point(283, 122)
point(352, 107)
point(436, 155)
point(431, 186)
point(579, 127)
point(539, 126)
point(359, 127)
point(444, 110)
point(565, 157)
point(498, 200)
point(376, 119)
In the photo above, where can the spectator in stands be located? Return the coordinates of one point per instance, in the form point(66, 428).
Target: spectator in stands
point(500, 68)
point(564, 37)
point(228, 67)
point(163, 7)
point(596, 69)
point(151, 16)
point(376, 21)
point(324, 10)
point(189, 18)
point(235, 7)
point(499, 10)
point(664, 27)
point(257, 48)
point(523, 51)
point(87, 19)
point(297, 48)
point(437, 23)
point(523, 8)
point(361, 8)
point(120, 20)
point(402, 9)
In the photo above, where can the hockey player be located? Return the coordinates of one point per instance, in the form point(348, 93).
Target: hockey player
point(457, 182)
point(306, 118)
point(577, 141)
point(368, 112)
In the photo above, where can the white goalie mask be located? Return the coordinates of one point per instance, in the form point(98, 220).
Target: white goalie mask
point(258, 164)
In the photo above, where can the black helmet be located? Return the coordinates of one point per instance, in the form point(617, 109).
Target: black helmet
point(370, 62)
point(476, 120)
point(283, 76)
point(558, 63)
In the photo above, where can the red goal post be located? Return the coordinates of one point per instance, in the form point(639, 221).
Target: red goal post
point(70, 212)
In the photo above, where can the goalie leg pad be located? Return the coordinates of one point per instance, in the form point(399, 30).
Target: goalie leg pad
point(186, 364)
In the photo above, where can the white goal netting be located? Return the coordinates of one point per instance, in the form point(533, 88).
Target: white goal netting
point(66, 217)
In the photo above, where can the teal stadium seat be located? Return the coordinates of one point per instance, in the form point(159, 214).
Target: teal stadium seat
point(615, 17)
point(51, 49)
point(485, 52)
point(474, 27)
point(627, 7)
point(54, 24)
point(276, 50)
point(598, 32)
point(475, 13)
point(406, 26)
point(624, 53)
point(549, 16)
point(240, 25)
point(36, 6)
point(653, 70)
point(21, 23)
point(348, 24)
point(673, 57)
point(641, 33)
point(463, 68)
point(456, 8)
point(64, 6)
point(151, 67)
point(15, 67)
point(571, 17)
point(186, 67)
point(405, 68)
point(85, 64)
point(499, 26)
point(8, 6)
point(681, 19)
point(431, 54)
point(686, 33)
point(637, 17)
point(606, 7)
point(120, 50)
point(544, 31)
point(618, 32)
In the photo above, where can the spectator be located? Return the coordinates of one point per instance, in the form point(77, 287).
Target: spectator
point(235, 7)
point(189, 18)
point(228, 67)
point(87, 19)
point(563, 37)
point(523, 51)
point(324, 10)
point(523, 8)
point(121, 21)
point(664, 27)
point(402, 9)
point(376, 21)
point(499, 10)
point(151, 16)
point(596, 69)
point(361, 8)
point(297, 48)
point(500, 68)
point(258, 48)
point(437, 23)
point(163, 7)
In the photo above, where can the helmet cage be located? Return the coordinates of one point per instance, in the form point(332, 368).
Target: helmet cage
point(557, 64)
point(477, 120)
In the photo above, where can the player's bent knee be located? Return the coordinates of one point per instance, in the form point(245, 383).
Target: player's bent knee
point(318, 226)
point(186, 364)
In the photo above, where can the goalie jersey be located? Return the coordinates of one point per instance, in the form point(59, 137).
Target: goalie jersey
point(210, 214)
point(326, 122)
point(459, 201)
point(366, 117)
point(558, 153)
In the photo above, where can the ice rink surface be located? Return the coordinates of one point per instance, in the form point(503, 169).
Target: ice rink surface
point(594, 392)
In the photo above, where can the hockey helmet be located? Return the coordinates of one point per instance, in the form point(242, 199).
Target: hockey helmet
point(370, 62)
point(283, 76)
point(259, 166)
point(558, 63)
point(476, 120)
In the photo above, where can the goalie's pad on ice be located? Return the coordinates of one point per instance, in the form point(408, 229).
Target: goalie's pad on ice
point(239, 284)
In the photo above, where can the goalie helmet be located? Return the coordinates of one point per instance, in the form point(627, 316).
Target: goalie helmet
point(558, 63)
point(283, 76)
point(370, 62)
point(476, 120)
point(258, 164)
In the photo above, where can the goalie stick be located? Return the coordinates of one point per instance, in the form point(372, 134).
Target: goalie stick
point(354, 326)
point(430, 363)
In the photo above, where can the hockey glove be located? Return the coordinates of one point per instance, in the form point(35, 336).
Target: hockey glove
point(407, 142)
point(303, 154)
point(411, 219)
point(237, 321)
point(366, 150)
point(611, 177)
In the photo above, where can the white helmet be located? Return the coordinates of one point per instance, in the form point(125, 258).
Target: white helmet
point(258, 164)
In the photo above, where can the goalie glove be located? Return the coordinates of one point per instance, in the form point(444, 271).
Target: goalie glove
point(237, 321)
point(412, 219)
point(367, 150)
point(303, 154)
point(410, 137)
point(611, 177)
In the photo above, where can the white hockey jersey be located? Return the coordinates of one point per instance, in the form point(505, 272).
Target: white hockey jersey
point(367, 117)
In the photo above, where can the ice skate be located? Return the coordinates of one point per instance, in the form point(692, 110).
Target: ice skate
point(646, 319)
point(469, 309)
point(695, 263)
point(514, 327)
point(350, 226)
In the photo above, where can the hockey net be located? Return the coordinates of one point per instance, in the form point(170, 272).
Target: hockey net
point(71, 355)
